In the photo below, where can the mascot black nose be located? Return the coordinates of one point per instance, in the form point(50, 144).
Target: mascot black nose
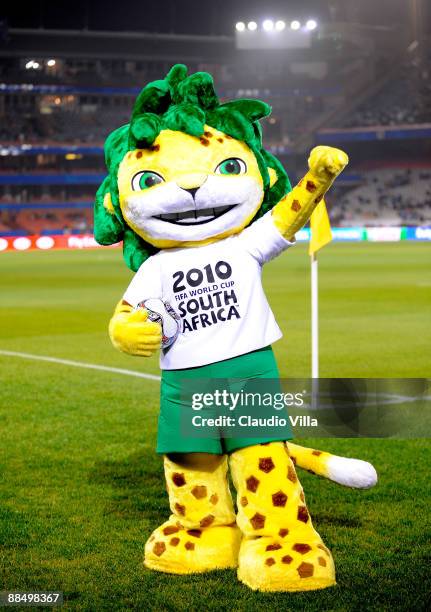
point(192, 191)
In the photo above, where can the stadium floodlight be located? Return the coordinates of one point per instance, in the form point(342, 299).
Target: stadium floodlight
point(36, 65)
point(311, 24)
point(50, 62)
point(280, 25)
point(252, 26)
point(268, 25)
point(29, 64)
point(295, 24)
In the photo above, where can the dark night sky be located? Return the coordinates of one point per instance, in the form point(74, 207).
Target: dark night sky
point(189, 16)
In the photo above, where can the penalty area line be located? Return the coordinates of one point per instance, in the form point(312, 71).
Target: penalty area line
point(80, 364)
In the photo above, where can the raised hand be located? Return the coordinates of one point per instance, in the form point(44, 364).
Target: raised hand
point(294, 210)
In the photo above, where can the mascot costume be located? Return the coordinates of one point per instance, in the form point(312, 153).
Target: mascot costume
point(200, 204)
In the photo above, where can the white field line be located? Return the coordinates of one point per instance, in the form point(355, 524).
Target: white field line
point(80, 364)
point(385, 398)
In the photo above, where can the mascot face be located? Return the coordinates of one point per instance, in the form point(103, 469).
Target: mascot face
point(188, 191)
point(186, 170)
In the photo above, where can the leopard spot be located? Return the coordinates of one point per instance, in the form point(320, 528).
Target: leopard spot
point(208, 134)
point(279, 499)
point(196, 533)
point(170, 529)
point(316, 453)
point(258, 521)
point(293, 459)
point(189, 546)
point(138, 154)
point(302, 549)
point(325, 550)
point(266, 464)
point(303, 514)
point(204, 141)
point(273, 547)
point(174, 541)
point(155, 147)
point(159, 548)
point(243, 501)
point(305, 570)
point(291, 474)
point(180, 509)
point(296, 206)
point(252, 483)
point(310, 186)
point(286, 559)
point(270, 561)
point(283, 533)
point(322, 561)
point(220, 139)
point(318, 199)
point(199, 491)
point(178, 479)
point(214, 499)
point(207, 520)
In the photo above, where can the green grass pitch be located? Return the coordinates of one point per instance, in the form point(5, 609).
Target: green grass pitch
point(82, 488)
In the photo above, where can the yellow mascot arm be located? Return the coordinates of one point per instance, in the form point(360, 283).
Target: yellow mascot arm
point(295, 209)
point(131, 333)
point(353, 473)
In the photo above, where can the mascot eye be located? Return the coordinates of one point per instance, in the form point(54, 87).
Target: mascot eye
point(233, 165)
point(145, 180)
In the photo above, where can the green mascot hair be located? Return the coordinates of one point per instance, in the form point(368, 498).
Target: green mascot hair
point(182, 103)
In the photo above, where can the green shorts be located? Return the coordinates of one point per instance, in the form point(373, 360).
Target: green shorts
point(174, 407)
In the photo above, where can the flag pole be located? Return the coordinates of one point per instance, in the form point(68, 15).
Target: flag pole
point(314, 317)
point(320, 235)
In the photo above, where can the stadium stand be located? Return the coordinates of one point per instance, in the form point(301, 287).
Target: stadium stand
point(387, 196)
point(406, 99)
point(55, 120)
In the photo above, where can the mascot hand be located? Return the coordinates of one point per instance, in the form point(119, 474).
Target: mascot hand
point(295, 208)
point(327, 162)
point(131, 333)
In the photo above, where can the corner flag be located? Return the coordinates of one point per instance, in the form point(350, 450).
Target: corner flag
point(320, 228)
point(320, 236)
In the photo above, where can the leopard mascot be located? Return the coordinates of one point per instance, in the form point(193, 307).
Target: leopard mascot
point(191, 189)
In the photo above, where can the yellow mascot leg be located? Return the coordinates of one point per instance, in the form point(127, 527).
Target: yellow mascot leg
point(281, 551)
point(201, 533)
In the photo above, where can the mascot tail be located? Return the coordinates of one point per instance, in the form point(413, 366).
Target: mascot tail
point(348, 472)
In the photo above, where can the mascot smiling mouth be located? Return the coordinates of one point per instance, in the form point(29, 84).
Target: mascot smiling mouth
point(195, 216)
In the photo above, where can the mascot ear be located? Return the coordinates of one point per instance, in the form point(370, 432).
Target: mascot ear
point(108, 229)
point(272, 176)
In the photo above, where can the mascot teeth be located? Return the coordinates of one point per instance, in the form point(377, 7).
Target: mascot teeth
point(195, 216)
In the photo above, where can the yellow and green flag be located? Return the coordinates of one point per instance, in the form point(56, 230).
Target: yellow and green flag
point(320, 228)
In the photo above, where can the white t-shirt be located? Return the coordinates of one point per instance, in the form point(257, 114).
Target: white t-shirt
point(217, 291)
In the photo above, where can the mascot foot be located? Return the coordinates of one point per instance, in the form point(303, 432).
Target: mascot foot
point(201, 534)
point(281, 550)
point(268, 564)
point(176, 550)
